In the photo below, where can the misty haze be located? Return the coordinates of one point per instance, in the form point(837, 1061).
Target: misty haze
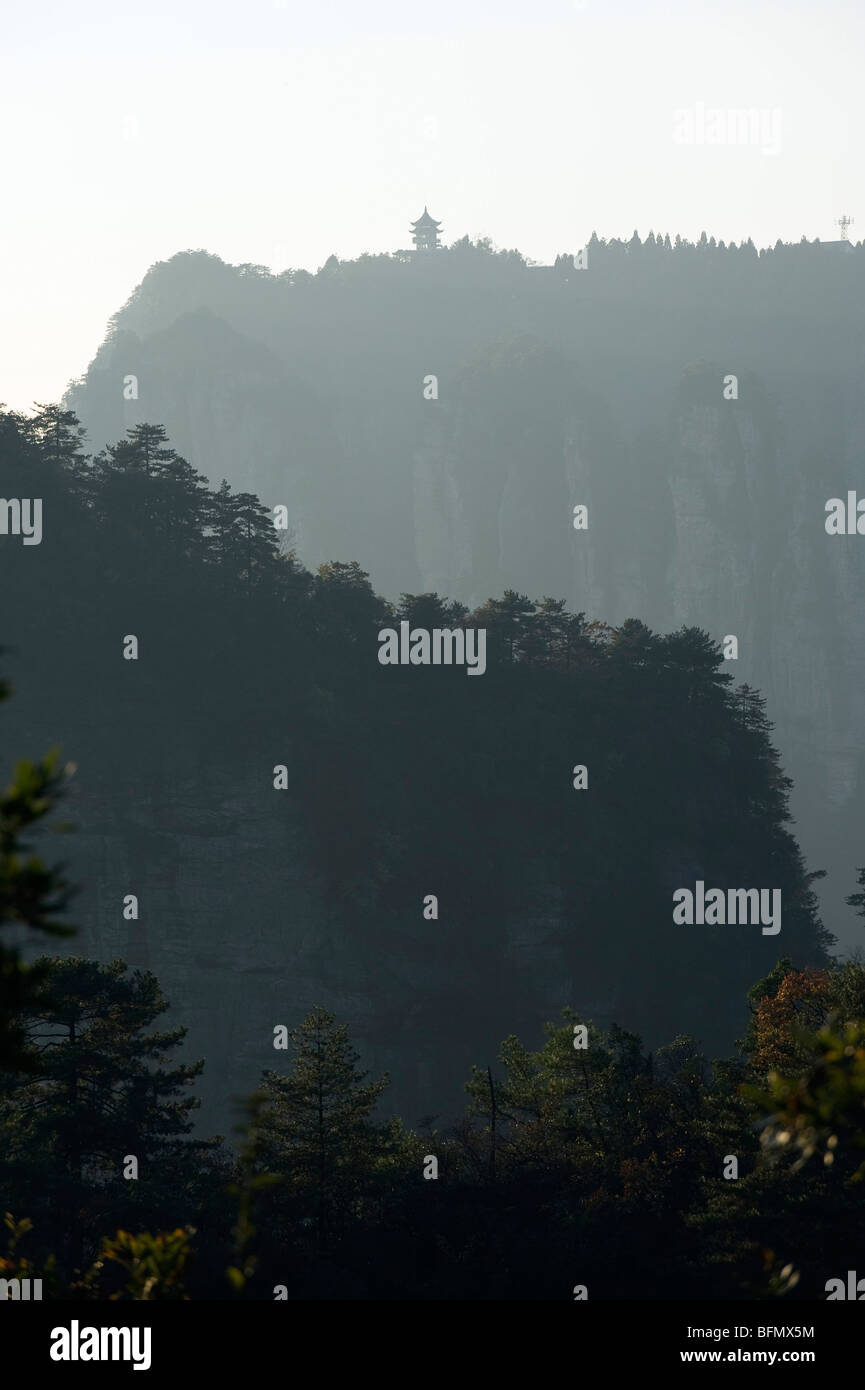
point(431, 660)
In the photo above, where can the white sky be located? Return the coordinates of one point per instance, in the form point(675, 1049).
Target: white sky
point(279, 132)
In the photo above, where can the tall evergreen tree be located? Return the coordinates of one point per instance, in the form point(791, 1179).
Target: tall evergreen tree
point(243, 539)
point(150, 503)
point(106, 1089)
point(507, 621)
point(59, 437)
point(317, 1133)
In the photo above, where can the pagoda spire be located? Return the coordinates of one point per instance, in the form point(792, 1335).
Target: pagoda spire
point(425, 232)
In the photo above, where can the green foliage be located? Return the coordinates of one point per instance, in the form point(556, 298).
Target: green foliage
point(31, 894)
point(15, 1266)
point(605, 1159)
point(105, 1082)
point(155, 1265)
point(821, 1114)
point(561, 1099)
point(315, 1130)
point(105, 1087)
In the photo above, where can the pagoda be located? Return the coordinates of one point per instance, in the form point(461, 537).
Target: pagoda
point(425, 233)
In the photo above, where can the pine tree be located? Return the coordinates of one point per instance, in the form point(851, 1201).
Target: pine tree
point(317, 1132)
point(59, 437)
point(563, 1103)
point(507, 620)
point(243, 540)
point(152, 503)
point(430, 610)
point(345, 602)
point(545, 641)
point(106, 1088)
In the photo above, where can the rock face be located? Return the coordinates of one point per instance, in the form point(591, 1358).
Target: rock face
point(242, 938)
point(603, 388)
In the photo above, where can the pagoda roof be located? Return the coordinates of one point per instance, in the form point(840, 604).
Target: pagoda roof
point(425, 220)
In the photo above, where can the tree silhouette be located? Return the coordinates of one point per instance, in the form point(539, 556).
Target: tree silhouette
point(31, 894)
point(317, 1133)
point(105, 1088)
